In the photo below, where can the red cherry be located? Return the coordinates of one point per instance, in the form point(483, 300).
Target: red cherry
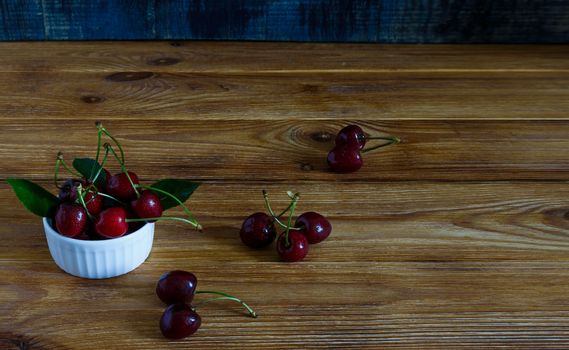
point(296, 250)
point(147, 205)
point(94, 203)
point(351, 136)
point(343, 159)
point(177, 287)
point(111, 223)
point(119, 187)
point(179, 321)
point(258, 230)
point(70, 219)
point(314, 226)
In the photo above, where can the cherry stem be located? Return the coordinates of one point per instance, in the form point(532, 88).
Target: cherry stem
point(186, 210)
point(66, 167)
point(82, 201)
point(111, 197)
point(196, 225)
point(292, 208)
point(393, 140)
point(56, 172)
point(99, 132)
point(106, 132)
point(101, 166)
point(123, 168)
point(225, 296)
point(276, 217)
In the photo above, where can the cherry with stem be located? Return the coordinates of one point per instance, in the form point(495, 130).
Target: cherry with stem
point(186, 210)
point(123, 168)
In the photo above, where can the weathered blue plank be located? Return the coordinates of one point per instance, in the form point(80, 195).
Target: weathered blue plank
point(91, 19)
point(21, 20)
point(389, 21)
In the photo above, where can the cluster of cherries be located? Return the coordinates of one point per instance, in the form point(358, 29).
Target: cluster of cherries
point(259, 231)
point(180, 319)
point(346, 156)
point(115, 206)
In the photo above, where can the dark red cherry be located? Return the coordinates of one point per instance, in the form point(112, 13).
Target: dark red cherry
point(94, 203)
point(351, 136)
point(177, 287)
point(68, 191)
point(258, 230)
point(111, 223)
point(71, 219)
point(314, 226)
point(179, 321)
point(147, 205)
point(343, 159)
point(119, 187)
point(297, 248)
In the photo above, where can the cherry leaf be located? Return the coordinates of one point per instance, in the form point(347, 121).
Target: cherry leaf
point(34, 197)
point(85, 165)
point(181, 189)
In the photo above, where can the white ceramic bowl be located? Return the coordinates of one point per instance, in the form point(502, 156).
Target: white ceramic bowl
point(100, 259)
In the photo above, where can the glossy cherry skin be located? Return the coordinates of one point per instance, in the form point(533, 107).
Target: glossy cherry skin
point(314, 226)
point(119, 187)
point(258, 230)
point(177, 287)
point(351, 136)
point(147, 205)
point(179, 321)
point(297, 249)
point(94, 203)
point(71, 219)
point(111, 223)
point(343, 159)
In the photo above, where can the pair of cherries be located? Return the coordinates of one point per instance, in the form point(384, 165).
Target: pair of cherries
point(259, 230)
point(177, 289)
point(84, 215)
point(346, 156)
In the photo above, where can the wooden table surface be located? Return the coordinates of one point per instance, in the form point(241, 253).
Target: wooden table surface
point(456, 238)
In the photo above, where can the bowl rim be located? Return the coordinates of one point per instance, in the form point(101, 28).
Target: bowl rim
point(49, 230)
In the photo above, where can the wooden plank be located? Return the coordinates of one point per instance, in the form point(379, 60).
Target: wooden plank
point(296, 150)
point(252, 57)
point(140, 96)
point(417, 265)
point(401, 305)
point(406, 221)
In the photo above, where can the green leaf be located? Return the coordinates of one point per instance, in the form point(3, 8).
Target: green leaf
point(34, 197)
point(84, 166)
point(181, 189)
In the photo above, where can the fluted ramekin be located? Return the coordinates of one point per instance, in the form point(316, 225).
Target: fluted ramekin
point(100, 259)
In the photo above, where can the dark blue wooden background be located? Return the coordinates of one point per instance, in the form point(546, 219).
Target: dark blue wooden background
point(389, 21)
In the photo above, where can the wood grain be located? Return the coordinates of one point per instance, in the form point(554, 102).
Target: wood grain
point(296, 150)
point(386, 96)
point(252, 57)
point(402, 221)
point(457, 238)
point(417, 266)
